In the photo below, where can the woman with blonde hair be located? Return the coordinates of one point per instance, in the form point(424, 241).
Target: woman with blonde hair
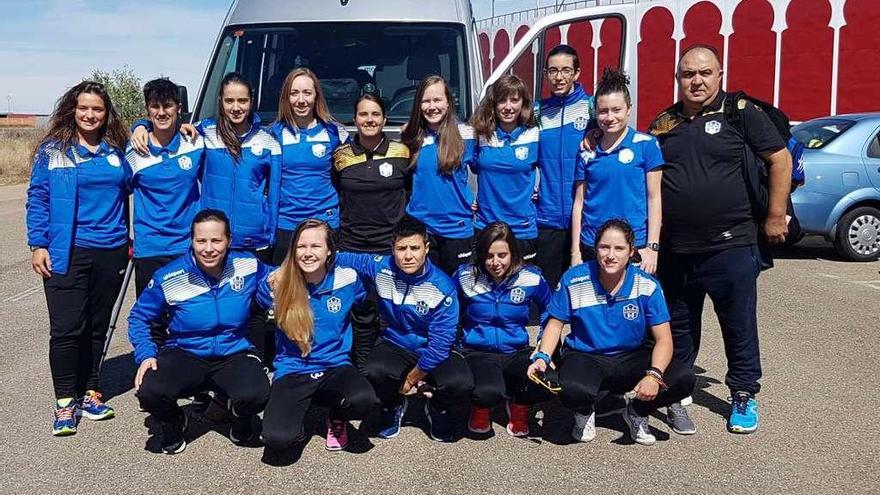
point(308, 135)
point(312, 297)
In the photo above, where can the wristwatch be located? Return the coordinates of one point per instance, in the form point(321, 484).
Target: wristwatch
point(654, 246)
point(34, 248)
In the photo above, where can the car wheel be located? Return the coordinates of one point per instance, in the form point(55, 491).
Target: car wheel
point(858, 234)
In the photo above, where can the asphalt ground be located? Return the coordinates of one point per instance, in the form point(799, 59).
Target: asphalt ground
point(818, 434)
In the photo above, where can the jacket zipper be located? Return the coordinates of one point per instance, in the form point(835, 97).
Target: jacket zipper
point(562, 164)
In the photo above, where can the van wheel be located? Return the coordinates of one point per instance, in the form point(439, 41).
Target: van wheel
point(858, 234)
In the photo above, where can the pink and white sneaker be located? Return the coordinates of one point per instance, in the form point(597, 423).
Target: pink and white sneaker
point(337, 435)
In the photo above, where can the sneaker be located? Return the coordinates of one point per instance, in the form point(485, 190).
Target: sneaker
point(440, 423)
point(337, 435)
point(478, 421)
point(242, 429)
point(91, 407)
point(65, 417)
point(173, 441)
point(390, 420)
point(518, 420)
point(743, 414)
point(200, 401)
point(679, 420)
point(638, 426)
point(584, 429)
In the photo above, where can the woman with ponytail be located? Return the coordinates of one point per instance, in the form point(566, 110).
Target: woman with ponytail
point(620, 178)
point(312, 298)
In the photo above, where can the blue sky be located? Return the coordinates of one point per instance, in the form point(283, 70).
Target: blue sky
point(46, 46)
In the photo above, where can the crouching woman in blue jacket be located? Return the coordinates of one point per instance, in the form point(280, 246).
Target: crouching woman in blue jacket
point(497, 292)
point(313, 297)
point(208, 293)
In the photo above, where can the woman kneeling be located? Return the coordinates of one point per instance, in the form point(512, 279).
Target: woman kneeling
point(610, 305)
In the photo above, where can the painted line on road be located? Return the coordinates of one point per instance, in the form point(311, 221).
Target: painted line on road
point(23, 294)
point(871, 284)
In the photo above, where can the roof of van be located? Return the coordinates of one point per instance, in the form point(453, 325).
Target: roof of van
point(273, 11)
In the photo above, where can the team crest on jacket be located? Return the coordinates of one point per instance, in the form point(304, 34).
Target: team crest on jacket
point(257, 148)
point(713, 127)
point(319, 150)
point(236, 283)
point(580, 123)
point(522, 152)
point(334, 304)
point(385, 170)
point(422, 308)
point(113, 160)
point(185, 163)
point(630, 311)
point(517, 295)
point(626, 155)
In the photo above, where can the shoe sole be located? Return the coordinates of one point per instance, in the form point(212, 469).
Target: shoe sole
point(741, 430)
point(634, 437)
point(64, 432)
point(582, 439)
point(98, 417)
point(479, 431)
point(335, 449)
point(684, 432)
point(176, 451)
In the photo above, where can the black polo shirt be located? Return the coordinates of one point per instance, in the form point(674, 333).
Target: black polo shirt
point(372, 187)
point(706, 203)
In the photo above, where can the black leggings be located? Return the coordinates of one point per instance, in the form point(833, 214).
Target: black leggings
point(448, 254)
point(582, 376)
point(345, 391)
point(388, 365)
point(499, 377)
point(180, 374)
point(80, 304)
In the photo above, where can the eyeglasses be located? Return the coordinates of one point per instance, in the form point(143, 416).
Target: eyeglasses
point(565, 71)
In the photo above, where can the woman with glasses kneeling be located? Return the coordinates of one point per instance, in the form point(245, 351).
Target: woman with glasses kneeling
point(207, 293)
point(611, 304)
point(313, 297)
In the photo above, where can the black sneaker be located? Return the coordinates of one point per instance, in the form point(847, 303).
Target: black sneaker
point(242, 429)
point(173, 441)
point(441, 424)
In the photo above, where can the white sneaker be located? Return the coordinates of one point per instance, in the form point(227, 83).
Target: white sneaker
point(638, 426)
point(584, 429)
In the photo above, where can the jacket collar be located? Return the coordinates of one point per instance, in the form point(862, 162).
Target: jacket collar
point(170, 148)
point(358, 149)
point(577, 93)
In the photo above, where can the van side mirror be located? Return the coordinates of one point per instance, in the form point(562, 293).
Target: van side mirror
point(184, 103)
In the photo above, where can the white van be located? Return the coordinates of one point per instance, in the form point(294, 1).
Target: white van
point(384, 47)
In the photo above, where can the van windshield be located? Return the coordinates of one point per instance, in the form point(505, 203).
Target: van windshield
point(350, 59)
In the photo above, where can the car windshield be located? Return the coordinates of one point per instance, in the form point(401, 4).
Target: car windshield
point(816, 134)
point(350, 59)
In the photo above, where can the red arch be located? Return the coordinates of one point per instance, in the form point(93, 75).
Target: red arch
point(609, 53)
point(552, 38)
point(484, 55)
point(858, 84)
point(502, 46)
point(702, 25)
point(656, 64)
point(807, 46)
point(524, 67)
point(752, 58)
point(580, 37)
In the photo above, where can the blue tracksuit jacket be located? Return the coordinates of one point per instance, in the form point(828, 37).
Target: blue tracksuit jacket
point(421, 310)
point(208, 316)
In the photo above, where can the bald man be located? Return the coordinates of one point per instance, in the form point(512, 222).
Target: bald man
point(709, 243)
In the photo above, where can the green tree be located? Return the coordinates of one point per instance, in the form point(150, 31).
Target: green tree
point(125, 89)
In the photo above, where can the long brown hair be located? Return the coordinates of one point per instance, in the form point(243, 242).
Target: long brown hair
point(62, 124)
point(293, 314)
point(484, 121)
point(496, 231)
point(225, 129)
point(285, 112)
point(451, 145)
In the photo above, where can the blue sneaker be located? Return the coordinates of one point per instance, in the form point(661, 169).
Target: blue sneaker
point(743, 414)
point(91, 407)
point(441, 425)
point(65, 417)
point(390, 420)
